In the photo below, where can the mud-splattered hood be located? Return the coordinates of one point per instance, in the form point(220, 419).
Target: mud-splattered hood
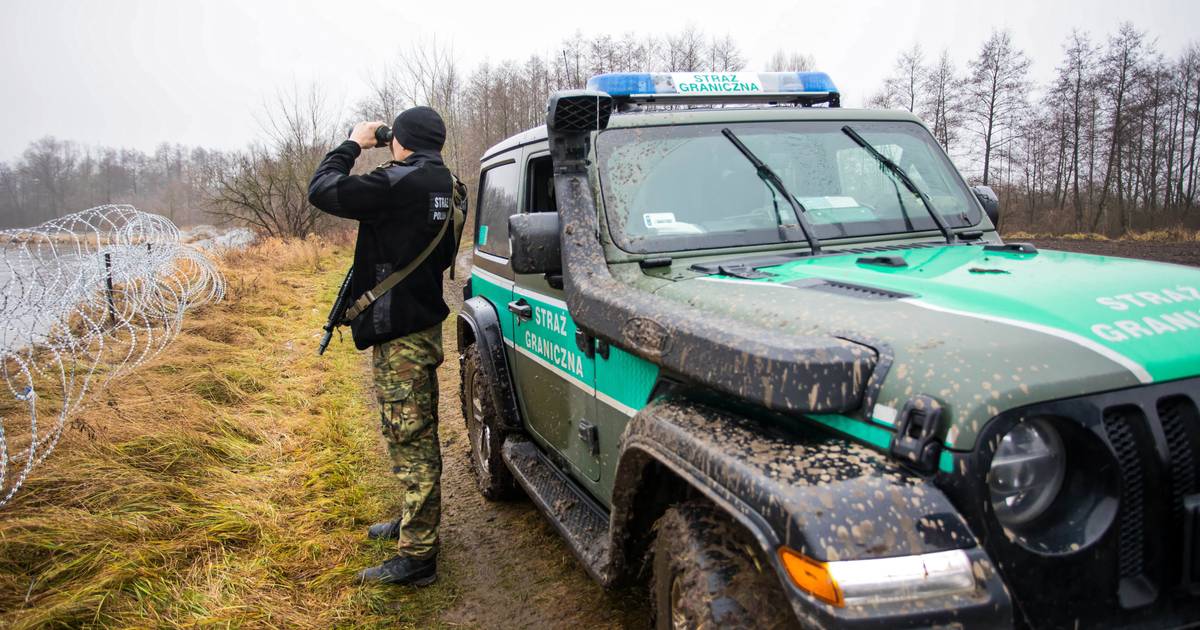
point(982, 331)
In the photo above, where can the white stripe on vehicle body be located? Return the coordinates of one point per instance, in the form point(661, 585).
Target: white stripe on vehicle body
point(557, 370)
point(541, 297)
point(1137, 369)
point(493, 278)
point(615, 404)
point(1134, 367)
point(492, 257)
point(773, 285)
point(604, 398)
point(600, 396)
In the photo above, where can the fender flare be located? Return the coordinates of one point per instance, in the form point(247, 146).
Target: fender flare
point(802, 488)
point(479, 323)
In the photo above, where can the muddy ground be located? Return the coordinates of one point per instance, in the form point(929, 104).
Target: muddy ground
point(1178, 252)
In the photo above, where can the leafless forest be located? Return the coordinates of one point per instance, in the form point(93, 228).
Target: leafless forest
point(1108, 145)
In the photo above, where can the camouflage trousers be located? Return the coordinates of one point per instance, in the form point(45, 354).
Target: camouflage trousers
point(407, 390)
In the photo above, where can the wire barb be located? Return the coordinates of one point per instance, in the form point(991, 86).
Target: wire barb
point(85, 299)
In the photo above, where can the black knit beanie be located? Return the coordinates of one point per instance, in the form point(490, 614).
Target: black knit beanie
point(419, 128)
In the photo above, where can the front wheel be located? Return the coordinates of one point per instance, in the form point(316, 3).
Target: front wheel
point(706, 574)
point(492, 476)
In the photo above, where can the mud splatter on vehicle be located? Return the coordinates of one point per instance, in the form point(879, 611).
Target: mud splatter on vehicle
point(775, 360)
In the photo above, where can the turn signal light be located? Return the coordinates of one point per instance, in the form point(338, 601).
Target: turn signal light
point(812, 576)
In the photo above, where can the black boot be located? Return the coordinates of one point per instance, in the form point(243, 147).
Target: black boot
point(389, 530)
point(402, 570)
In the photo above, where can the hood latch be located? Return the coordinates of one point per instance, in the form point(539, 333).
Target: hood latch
point(916, 441)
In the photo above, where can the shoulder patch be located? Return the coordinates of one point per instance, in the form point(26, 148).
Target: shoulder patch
point(397, 172)
point(439, 207)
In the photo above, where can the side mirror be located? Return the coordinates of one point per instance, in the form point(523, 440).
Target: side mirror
point(536, 247)
point(990, 202)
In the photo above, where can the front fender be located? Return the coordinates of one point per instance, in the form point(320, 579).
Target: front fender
point(479, 323)
point(800, 487)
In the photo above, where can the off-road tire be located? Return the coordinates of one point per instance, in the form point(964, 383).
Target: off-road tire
point(706, 573)
point(492, 476)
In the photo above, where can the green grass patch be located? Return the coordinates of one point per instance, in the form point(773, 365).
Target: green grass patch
point(227, 483)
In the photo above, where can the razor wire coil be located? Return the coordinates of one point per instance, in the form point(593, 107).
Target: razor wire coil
point(85, 299)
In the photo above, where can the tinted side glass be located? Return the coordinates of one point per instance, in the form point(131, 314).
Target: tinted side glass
point(497, 201)
point(539, 193)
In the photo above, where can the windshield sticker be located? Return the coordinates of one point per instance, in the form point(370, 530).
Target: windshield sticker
point(829, 202)
point(656, 220)
point(482, 235)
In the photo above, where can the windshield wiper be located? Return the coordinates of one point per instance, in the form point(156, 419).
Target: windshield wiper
point(908, 183)
point(772, 179)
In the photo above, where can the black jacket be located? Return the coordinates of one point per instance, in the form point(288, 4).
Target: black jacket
point(395, 208)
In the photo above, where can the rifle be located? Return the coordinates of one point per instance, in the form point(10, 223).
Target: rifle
point(337, 315)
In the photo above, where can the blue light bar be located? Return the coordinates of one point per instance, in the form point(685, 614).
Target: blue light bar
point(806, 87)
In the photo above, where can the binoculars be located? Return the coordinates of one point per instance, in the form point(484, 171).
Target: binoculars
point(383, 135)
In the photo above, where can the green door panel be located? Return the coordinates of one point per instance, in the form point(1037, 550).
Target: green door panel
point(623, 385)
point(498, 291)
point(555, 379)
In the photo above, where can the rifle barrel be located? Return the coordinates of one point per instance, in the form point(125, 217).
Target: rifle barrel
point(337, 312)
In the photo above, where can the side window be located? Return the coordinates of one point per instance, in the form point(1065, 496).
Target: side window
point(497, 201)
point(540, 192)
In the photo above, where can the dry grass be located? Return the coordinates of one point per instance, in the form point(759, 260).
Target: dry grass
point(1173, 234)
point(226, 483)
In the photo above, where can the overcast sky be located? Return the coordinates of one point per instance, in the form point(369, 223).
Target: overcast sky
point(134, 74)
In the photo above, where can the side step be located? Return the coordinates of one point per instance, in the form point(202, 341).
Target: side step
point(576, 516)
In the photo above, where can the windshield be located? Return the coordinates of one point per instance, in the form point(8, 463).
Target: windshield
point(685, 187)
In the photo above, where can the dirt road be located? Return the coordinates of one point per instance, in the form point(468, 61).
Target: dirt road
point(508, 567)
point(1178, 252)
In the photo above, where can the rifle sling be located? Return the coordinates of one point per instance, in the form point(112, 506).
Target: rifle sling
point(396, 277)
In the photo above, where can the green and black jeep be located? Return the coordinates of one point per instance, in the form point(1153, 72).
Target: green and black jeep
point(773, 356)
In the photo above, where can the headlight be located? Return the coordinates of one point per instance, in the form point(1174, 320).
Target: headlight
point(882, 580)
point(1027, 472)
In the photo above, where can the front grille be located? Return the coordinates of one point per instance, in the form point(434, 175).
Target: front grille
point(1131, 546)
point(1181, 423)
point(1155, 436)
point(1114, 553)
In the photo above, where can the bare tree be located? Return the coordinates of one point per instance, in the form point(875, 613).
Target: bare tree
point(602, 54)
point(684, 51)
point(995, 89)
point(571, 61)
point(1115, 134)
point(1121, 63)
point(637, 53)
point(267, 187)
point(1073, 91)
point(883, 99)
point(724, 55)
point(1189, 115)
point(783, 61)
point(907, 78)
point(941, 102)
point(49, 164)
